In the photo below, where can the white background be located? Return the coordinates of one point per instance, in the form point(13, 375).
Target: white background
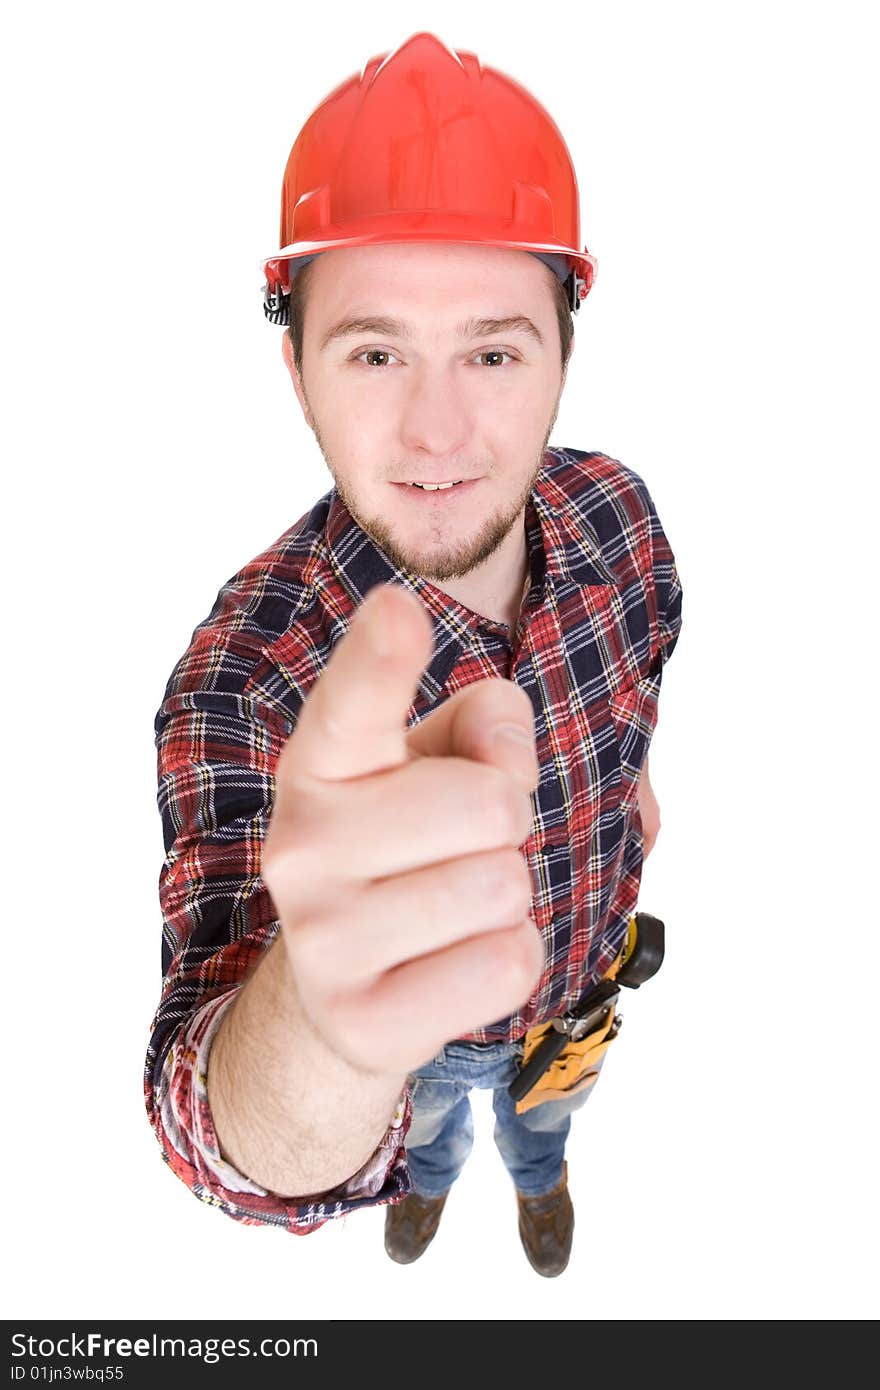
point(726, 1165)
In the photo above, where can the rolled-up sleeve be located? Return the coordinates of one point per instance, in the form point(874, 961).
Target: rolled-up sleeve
point(663, 584)
point(191, 1147)
point(217, 751)
point(669, 593)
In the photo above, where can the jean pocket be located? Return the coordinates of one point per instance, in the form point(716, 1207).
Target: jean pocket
point(634, 715)
point(434, 1070)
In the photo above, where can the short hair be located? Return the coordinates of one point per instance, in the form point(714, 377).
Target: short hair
point(299, 295)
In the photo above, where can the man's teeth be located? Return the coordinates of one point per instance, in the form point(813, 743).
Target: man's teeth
point(434, 487)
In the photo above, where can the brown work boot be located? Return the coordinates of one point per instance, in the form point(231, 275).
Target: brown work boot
point(411, 1225)
point(546, 1227)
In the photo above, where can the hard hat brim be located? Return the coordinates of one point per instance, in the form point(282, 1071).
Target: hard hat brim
point(444, 229)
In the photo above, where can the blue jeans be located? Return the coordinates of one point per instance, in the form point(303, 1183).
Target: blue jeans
point(441, 1135)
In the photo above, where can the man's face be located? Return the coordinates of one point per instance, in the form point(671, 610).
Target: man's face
point(431, 397)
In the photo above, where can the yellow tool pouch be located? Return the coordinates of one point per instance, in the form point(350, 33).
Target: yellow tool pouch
point(576, 1067)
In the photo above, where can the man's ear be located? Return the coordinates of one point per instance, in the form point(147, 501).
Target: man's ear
point(565, 366)
point(287, 354)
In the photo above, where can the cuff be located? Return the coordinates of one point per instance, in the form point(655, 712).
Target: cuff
point(191, 1148)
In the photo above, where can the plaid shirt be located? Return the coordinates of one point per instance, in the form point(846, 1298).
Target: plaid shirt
point(600, 617)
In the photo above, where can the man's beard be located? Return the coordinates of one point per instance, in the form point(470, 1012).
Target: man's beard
point(460, 558)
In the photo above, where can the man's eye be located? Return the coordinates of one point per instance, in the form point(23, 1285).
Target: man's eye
point(372, 352)
point(495, 352)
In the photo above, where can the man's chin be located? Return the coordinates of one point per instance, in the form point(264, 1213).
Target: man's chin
point(441, 563)
point(437, 566)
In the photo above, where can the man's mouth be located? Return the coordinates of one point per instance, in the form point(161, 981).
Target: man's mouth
point(454, 485)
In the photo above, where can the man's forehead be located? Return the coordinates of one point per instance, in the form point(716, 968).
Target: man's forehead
point(371, 292)
point(406, 263)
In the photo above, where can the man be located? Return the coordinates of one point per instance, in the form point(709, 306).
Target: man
point(374, 897)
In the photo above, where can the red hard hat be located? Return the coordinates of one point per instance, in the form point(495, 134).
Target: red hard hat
point(428, 144)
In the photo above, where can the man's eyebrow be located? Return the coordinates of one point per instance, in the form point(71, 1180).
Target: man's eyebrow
point(396, 328)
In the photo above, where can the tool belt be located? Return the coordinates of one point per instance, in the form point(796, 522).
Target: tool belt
point(561, 1057)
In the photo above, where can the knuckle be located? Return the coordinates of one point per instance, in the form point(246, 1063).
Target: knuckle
point(508, 884)
point(283, 862)
point(297, 839)
point(524, 961)
point(333, 725)
point(347, 1014)
point(525, 704)
point(501, 809)
point(310, 949)
point(503, 699)
point(518, 812)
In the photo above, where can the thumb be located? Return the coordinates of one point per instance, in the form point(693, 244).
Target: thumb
point(353, 721)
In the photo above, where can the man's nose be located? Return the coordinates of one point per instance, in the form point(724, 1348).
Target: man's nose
point(435, 415)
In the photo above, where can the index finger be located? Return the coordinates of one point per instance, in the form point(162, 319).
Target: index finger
point(353, 720)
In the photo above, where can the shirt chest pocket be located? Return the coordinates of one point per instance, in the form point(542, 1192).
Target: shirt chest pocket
point(634, 716)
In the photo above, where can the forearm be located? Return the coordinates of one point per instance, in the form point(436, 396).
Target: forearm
point(288, 1112)
point(649, 811)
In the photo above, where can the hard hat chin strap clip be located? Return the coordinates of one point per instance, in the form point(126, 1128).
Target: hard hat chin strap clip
point(577, 291)
point(276, 304)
